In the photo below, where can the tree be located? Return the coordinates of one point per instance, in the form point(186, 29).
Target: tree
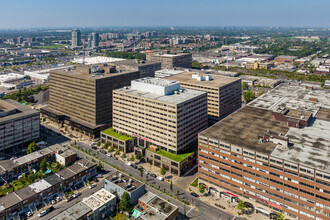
point(171, 185)
point(162, 171)
point(141, 171)
point(125, 202)
point(98, 143)
point(249, 96)
point(296, 64)
point(106, 145)
point(43, 165)
point(147, 176)
point(132, 158)
point(280, 216)
point(177, 194)
point(31, 148)
point(117, 151)
point(241, 206)
point(124, 155)
point(99, 166)
point(111, 149)
point(138, 156)
point(201, 188)
point(245, 86)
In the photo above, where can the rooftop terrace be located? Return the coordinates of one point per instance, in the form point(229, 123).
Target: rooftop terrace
point(112, 133)
point(124, 181)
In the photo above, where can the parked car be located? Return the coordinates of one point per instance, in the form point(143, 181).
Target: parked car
point(115, 158)
point(50, 209)
point(153, 175)
point(58, 199)
point(92, 185)
point(53, 202)
point(92, 144)
point(132, 165)
point(128, 164)
point(103, 152)
point(160, 178)
point(69, 198)
point(76, 194)
point(29, 214)
point(94, 148)
point(43, 213)
point(109, 155)
point(194, 194)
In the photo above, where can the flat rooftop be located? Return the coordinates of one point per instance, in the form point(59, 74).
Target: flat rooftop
point(134, 62)
point(124, 181)
point(242, 127)
point(160, 209)
point(40, 186)
point(310, 146)
point(87, 76)
point(74, 212)
point(216, 82)
point(10, 109)
point(95, 60)
point(293, 97)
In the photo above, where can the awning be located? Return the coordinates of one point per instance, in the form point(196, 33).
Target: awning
point(275, 206)
point(262, 210)
point(231, 194)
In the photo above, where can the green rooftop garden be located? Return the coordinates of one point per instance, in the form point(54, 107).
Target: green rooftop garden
point(177, 157)
point(114, 134)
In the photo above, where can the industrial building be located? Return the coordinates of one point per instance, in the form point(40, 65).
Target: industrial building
point(19, 125)
point(223, 93)
point(170, 60)
point(82, 97)
point(274, 151)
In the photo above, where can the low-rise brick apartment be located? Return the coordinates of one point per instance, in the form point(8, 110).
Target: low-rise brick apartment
point(273, 151)
point(223, 93)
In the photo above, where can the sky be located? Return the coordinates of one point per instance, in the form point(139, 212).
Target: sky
point(16, 14)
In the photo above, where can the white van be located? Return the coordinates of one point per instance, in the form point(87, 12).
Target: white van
point(160, 178)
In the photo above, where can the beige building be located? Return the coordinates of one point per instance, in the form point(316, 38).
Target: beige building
point(224, 93)
point(82, 98)
point(160, 113)
point(19, 125)
point(170, 60)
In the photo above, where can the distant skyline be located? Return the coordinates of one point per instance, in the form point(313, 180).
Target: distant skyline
point(16, 14)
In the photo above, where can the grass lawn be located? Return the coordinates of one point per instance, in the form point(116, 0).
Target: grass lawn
point(120, 216)
point(195, 183)
point(112, 133)
point(176, 157)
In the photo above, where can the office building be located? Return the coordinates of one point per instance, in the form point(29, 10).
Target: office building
point(118, 183)
point(76, 38)
point(93, 40)
point(170, 60)
point(81, 98)
point(146, 68)
point(273, 151)
point(223, 93)
point(162, 117)
point(286, 59)
point(19, 125)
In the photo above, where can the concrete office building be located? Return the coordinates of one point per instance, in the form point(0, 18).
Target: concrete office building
point(163, 117)
point(82, 98)
point(76, 38)
point(223, 93)
point(273, 151)
point(93, 40)
point(170, 60)
point(19, 125)
point(146, 68)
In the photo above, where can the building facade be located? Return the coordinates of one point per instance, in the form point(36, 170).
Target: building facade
point(93, 40)
point(82, 98)
point(19, 125)
point(171, 60)
point(146, 68)
point(223, 93)
point(76, 38)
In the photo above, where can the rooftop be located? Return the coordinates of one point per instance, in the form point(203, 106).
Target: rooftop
point(25, 193)
point(242, 127)
point(217, 80)
point(74, 212)
point(95, 60)
point(53, 179)
point(98, 199)
point(133, 62)
point(40, 186)
point(124, 181)
point(177, 157)
point(10, 109)
point(172, 98)
point(112, 133)
point(9, 200)
point(293, 97)
point(160, 209)
point(146, 198)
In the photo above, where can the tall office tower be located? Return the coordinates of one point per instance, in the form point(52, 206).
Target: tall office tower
point(224, 93)
point(82, 98)
point(93, 40)
point(76, 38)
